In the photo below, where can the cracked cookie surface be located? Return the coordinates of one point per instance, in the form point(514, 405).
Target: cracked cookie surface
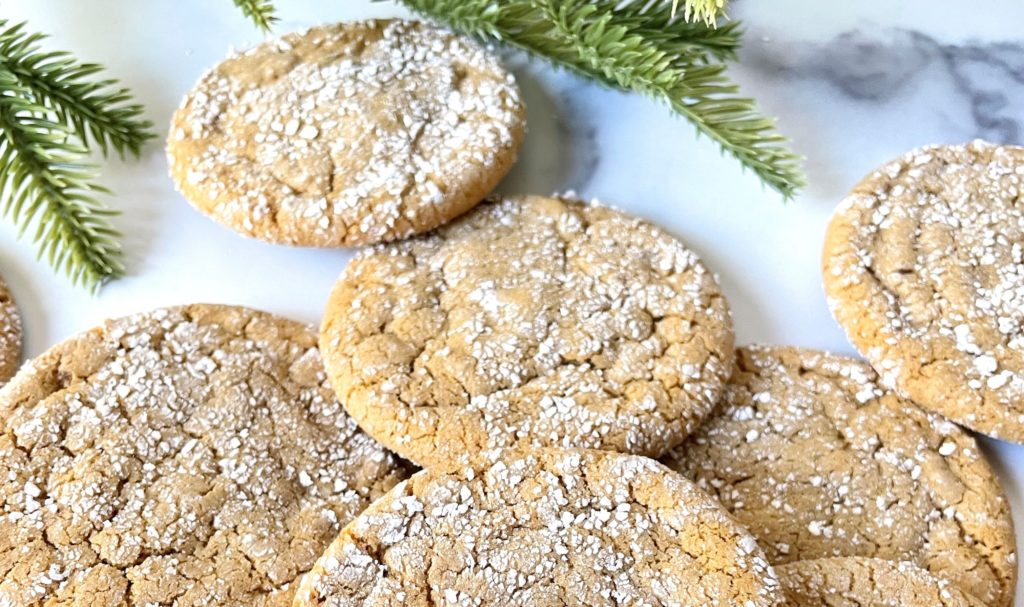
point(347, 134)
point(817, 460)
point(186, 456)
point(543, 321)
point(866, 582)
point(547, 528)
point(10, 334)
point(924, 269)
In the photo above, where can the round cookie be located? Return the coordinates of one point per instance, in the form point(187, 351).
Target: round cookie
point(543, 321)
point(10, 335)
point(543, 529)
point(347, 134)
point(187, 456)
point(924, 269)
point(865, 582)
point(817, 460)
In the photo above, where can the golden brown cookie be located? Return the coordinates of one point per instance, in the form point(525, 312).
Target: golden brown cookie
point(865, 582)
point(187, 456)
point(924, 269)
point(817, 460)
point(10, 335)
point(543, 529)
point(530, 320)
point(347, 134)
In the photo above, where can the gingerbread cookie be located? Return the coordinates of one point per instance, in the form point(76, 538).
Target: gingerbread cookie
point(347, 134)
point(530, 320)
point(817, 460)
point(10, 335)
point(865, 582)
point(544, 528)
point(187, 456)
point(924, 269)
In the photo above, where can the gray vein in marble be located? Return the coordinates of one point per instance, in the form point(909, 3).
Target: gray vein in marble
point(574, 126)
point(878, 65)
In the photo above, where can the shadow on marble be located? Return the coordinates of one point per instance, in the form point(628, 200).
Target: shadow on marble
point(560, 150)
point(141, 203)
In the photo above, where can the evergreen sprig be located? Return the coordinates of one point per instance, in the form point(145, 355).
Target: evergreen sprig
point(260, 12)
point(51, 116)
point(643, 47)
point(43, 181)
point(100, 113)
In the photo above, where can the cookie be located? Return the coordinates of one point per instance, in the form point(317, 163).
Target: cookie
point(347, 134)
point(865, 582)
point(533, 320)
point(817, 461)
point(187, 456)
point(10, 335)
point(548, 528)
point(924, 269)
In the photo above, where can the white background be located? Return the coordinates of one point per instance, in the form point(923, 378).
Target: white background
point(829, 70)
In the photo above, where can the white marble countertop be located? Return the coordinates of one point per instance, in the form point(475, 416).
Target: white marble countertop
point(853, 83)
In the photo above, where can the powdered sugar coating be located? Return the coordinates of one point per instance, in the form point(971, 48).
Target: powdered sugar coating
point(10, 334)
point(347, 134)
point(865, 582)
point(818, 460)
point(532, 320)
point(543, 529)
point(924, 269)
point(188, 456)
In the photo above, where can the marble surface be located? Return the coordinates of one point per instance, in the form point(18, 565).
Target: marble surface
point(853, 83)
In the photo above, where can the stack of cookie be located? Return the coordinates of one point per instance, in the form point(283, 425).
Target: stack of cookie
point(500, 349)
point(536, 356)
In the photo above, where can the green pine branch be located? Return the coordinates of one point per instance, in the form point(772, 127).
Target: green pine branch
point(640, 47)
point(260, 12)
point(51, 115)
point(102, 114)
point(44, 182)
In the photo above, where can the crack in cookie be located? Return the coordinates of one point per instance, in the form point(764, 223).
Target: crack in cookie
point(867, 582)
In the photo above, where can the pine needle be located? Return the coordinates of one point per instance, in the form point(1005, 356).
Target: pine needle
point(51, 116)
point(260, 12)
point(641, 47)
